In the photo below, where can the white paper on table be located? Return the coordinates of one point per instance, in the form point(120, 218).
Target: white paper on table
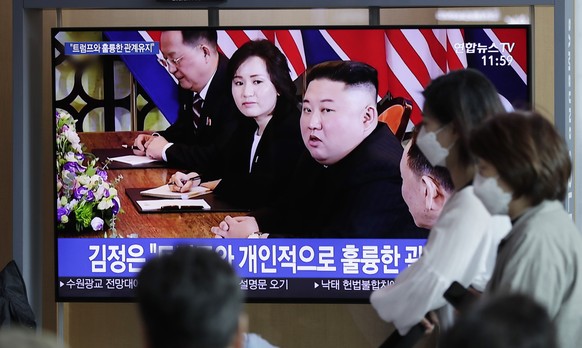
point(158, 204)
point(133, 159)
point(165, 192)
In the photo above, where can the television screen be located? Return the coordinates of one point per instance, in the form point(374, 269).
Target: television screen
point(114, 209)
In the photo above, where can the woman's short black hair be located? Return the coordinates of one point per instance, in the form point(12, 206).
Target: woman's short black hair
point(276, 63)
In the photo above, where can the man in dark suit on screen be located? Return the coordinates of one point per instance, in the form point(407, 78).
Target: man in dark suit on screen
point(207, 117)
point(348, 184)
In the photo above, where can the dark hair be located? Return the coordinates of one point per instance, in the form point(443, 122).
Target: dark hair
point(528, 154)
point(420, 166)
point(509, 321)
point(193, 37)
point(277, 68)
point(189, 298)
point(349, 72)
point(464, 98)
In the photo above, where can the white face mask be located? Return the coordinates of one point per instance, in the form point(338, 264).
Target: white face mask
point(434, 152)
point(493, 197)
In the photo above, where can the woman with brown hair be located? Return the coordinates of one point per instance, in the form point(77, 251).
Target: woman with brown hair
point(523, 170)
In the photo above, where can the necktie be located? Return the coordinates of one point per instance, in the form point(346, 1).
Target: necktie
point(197, 108)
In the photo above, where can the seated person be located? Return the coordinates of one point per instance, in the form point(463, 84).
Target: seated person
point(523, 171)
point(509, 321)
point(349, 184)
point(462, 243)
point(265, 148)
point(192, 298)
point(204, 125)
point(425, 188)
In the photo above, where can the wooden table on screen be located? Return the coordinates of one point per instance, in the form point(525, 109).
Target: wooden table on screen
point(151, 225)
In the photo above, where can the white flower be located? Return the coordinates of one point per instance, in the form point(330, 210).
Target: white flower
point(72, 204)
point(83, 180)
point(72, 136)
point(75, 181)
point(95, 180)
point(97, 223)
point(99, 192)
point(105, 204)
point(70, 157)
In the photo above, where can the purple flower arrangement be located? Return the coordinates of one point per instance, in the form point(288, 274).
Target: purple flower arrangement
point(85, 199)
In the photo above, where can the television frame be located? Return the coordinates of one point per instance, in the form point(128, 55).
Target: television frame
point(287, 299)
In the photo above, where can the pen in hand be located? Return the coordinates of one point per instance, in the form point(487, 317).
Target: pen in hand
point(133, 147)
point(184, 181)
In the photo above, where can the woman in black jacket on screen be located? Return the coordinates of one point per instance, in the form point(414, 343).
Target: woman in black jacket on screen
point(264, 150)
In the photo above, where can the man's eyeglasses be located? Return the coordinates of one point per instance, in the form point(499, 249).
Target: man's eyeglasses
point(170, 61)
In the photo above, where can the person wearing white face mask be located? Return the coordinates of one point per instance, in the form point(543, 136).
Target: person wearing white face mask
point(523, 171)
point(461, 245)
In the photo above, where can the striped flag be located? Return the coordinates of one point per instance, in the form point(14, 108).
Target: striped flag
point(417, 56)
point(364, 45)
point(406, 59)
point(289, 42)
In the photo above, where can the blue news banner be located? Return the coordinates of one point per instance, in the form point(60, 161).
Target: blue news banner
point(269, 268)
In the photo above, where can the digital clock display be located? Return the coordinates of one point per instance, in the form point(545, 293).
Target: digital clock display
point(496, 60)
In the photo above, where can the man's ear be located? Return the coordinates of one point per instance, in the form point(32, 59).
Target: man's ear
point(434, 198)
point(206, 50)
point(429, 189)
point(370, 116)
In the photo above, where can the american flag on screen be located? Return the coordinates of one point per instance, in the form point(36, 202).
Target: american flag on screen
point(406, 59)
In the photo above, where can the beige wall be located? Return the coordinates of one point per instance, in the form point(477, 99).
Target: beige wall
point(91, 325)
point(543, 60)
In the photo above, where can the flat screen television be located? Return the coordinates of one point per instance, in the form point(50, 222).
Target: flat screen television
point(108, 84)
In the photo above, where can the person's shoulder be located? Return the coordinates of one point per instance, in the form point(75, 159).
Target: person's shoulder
point(549, 223)
point(464, 208)
point(378, 156)
point(383, 146)
point(255, 341)
point(220, 78)
point(287, 118)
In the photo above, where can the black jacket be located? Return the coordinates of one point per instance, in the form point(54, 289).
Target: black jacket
point(358, 197)
point(273, 163)
point(196, 149)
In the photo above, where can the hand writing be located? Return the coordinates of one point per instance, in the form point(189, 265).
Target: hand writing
point(140, 142)
point(180, 182)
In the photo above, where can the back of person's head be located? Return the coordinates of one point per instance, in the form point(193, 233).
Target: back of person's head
point(188, 299)
point(196, 37)
point(275, 61)
point(464, 98)
point(420, 166)
point(528, 154)
point(20, 337)
point(508, 321)
point(352, 73)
